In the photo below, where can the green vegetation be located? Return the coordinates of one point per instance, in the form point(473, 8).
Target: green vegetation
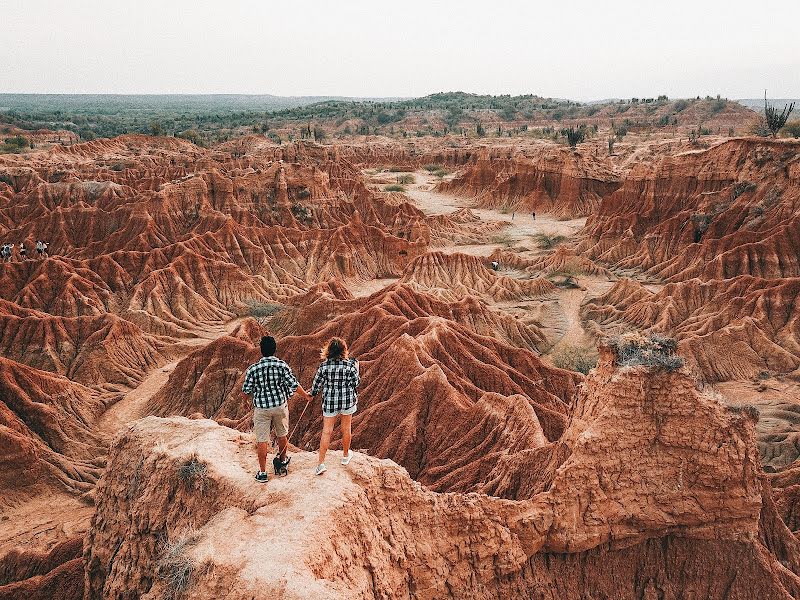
point(432, 168)
point(206, 120)
point(776, 120)
point(394, 188)
point(259, 309)
point(547, 240)
point(575, 358)
point(791, 129)
point(15, 144)
point(406, 179)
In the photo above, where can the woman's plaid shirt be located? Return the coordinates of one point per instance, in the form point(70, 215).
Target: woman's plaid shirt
point(270, 381)
point(338, 380)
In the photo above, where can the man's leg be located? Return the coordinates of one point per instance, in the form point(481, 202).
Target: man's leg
point(262, 456)
point(283, 444)
point(325, 441)
point(346, 433)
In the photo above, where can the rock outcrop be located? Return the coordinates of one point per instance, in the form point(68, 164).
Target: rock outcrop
point(653, 491)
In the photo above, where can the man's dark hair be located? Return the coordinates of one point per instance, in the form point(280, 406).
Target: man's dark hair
point(268, 345)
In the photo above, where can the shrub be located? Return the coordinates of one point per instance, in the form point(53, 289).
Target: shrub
point(574, 136)
point(791, 129)
point(654, 350)
point(396, 169)
point(547, 240)
point(432, 168)
point(503, 239)
point(174, 566)
point(406, 179)
point(192, 470)
point(441, 172)
point(260, 309)
point(303, 193)
point(575, 358)
point(776, 120)
point(394, 188)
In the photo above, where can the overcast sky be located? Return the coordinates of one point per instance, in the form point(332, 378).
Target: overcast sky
point(570, 48)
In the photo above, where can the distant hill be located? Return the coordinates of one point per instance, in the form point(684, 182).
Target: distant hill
point(757, 104)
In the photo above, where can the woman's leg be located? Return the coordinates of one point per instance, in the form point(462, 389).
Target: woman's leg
point(346, 433)
point(324, 442)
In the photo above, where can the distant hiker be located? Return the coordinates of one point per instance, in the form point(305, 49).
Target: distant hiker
point(533, 215)
point(45, 247)
point(512, 216)
point(23, 251)
point(271, 382)
point(5, 252)
point(40, 248)
point(495, 265)
point(337, 378)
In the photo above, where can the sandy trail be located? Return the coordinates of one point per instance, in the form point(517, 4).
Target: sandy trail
point(131, 406)
point(520, 227)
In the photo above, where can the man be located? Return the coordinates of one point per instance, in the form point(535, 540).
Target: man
point(271, 382)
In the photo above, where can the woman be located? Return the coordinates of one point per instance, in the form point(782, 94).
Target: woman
point(337, 378)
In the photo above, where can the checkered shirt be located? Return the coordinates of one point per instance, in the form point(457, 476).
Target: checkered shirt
point(338, 380)
point(270, 381)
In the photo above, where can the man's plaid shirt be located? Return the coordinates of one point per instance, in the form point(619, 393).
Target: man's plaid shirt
point(338, 380)
point(270, 381)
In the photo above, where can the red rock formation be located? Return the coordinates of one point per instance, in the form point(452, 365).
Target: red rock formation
point(547, 179)
point(653, 491)
point(729, 329)
point(731, 210)
point(455, 276)
point(46, 435)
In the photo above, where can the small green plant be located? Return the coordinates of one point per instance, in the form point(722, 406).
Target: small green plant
point(654, 350)
point(575, 358)
point(396, 169)
point(406, 179)
point(574, 135)
point(547, 240)
point(432, 168)
point(441, 173)
point(394, 188)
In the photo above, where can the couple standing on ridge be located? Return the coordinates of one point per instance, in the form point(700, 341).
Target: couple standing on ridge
point(271, 382)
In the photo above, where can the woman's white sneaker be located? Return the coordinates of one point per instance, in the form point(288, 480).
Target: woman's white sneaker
point(321, 468)
point(346, 459)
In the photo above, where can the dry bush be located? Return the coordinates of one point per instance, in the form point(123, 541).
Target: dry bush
point(503, 239)
point(575, 358)
point(259, 309)
point(394, 188)
point(654, 350)
point(406, 179)
point(174, 566)
point(433, 168)
point(193, 470)
point(548, 240)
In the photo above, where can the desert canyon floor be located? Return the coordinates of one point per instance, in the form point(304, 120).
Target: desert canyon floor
point(489, 465)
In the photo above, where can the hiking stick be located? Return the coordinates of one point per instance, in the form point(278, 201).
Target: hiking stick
point(291, 435)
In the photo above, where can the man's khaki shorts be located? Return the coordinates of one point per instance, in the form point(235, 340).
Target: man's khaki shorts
point(266, 418)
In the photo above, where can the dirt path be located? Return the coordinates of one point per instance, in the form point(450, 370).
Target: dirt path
point(520, 227)
point(131, 406)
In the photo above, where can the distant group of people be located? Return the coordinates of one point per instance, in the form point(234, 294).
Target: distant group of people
point(7, 250)
point(270, 382)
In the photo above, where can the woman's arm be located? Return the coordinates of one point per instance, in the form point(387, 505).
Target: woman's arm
point(355, 377)
point(316, 385)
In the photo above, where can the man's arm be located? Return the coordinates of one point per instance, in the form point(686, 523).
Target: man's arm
point(247, 386)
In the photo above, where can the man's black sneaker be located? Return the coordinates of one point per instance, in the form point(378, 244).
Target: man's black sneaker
point(262, 477)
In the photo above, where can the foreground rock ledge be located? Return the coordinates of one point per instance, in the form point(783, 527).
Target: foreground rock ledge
point(652, 492)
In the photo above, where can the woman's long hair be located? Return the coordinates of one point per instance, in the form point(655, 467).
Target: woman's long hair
point(336, 348)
